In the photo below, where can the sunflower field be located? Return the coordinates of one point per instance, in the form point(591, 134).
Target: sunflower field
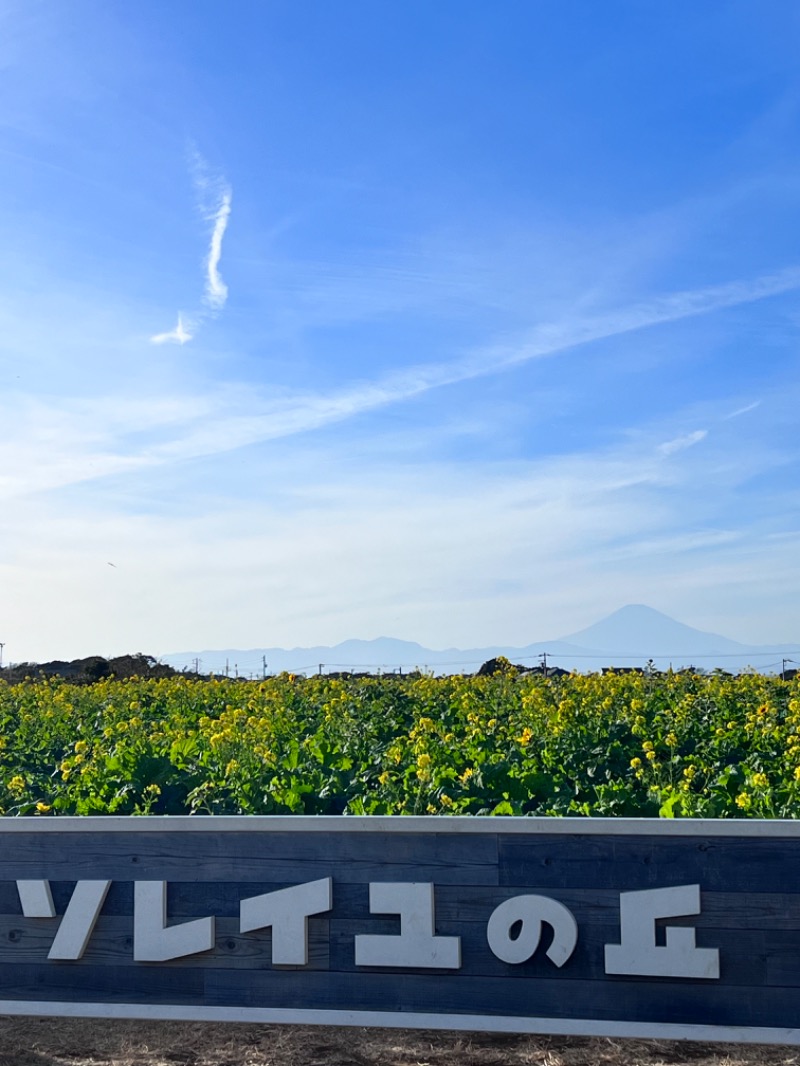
point(675, 745)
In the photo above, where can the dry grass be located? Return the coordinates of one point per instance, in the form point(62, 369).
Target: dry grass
point(57, 1042)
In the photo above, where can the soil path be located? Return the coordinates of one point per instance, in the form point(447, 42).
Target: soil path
point(56, 1042)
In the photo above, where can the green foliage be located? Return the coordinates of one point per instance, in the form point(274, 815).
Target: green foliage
point(505, 744)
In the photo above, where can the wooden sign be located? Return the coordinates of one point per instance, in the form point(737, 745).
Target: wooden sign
point(606, 927)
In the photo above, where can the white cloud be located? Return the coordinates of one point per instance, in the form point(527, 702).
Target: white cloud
point(48, 445)
point(559, 336)
point(302, 413)
point(236, 417)
point(743, 410)
point(355, 541)
point(179, 335)
point(675, 544)
point(216, 290)
point(215, 198)
point(679, 444)
point(349, 548)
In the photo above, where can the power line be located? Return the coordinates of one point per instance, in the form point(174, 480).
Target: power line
point(541, 658)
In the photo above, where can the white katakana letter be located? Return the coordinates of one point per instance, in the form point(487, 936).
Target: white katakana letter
point(153, 939)
point(417, 944)
point(637, 953)
point(287, 910)
point(36, 899)
point(531, 911)
point(79, 918)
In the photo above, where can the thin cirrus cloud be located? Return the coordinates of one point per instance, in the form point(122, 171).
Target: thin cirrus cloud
point(215, 198)
point(744, 410)
point(236, 418)
point(680, 444)
point(307, 412)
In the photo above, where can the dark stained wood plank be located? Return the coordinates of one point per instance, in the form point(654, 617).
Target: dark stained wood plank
point(666, 1002)
point(616, 999)
point(237, 856)
point(741, 910)
point(140, 984)
point(720, 864)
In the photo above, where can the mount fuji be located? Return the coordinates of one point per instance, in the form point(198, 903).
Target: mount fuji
point(629, 636)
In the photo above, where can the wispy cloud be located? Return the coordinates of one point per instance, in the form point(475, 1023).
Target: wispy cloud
point(743, 410)
point(351, 540)
point(679, 444)
point(301, 413)
point(216, 290)
point(676, 544)
point(236, 417)
point(215, 198)
point(179, 335)
point(674, 307)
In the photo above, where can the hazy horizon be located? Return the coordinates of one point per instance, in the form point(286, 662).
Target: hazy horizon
point(634, 635)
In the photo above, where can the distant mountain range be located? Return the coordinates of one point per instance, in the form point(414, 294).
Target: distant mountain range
point(628, 637)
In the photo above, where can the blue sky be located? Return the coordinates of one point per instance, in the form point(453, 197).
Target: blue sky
point(463, 322)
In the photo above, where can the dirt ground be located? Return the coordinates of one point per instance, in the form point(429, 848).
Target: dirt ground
point(56, 1042)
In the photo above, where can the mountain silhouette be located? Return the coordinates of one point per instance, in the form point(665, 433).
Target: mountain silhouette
point(626, 638)
point(629, 636)
point(640, 630)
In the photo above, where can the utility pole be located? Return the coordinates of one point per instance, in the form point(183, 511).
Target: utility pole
point(1, 654)
point(227, 669)
point(320, 669)
point(543, 657)
point(196, 665)
point(264, 665)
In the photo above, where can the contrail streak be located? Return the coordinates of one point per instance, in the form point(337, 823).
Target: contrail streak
point(216, 289)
